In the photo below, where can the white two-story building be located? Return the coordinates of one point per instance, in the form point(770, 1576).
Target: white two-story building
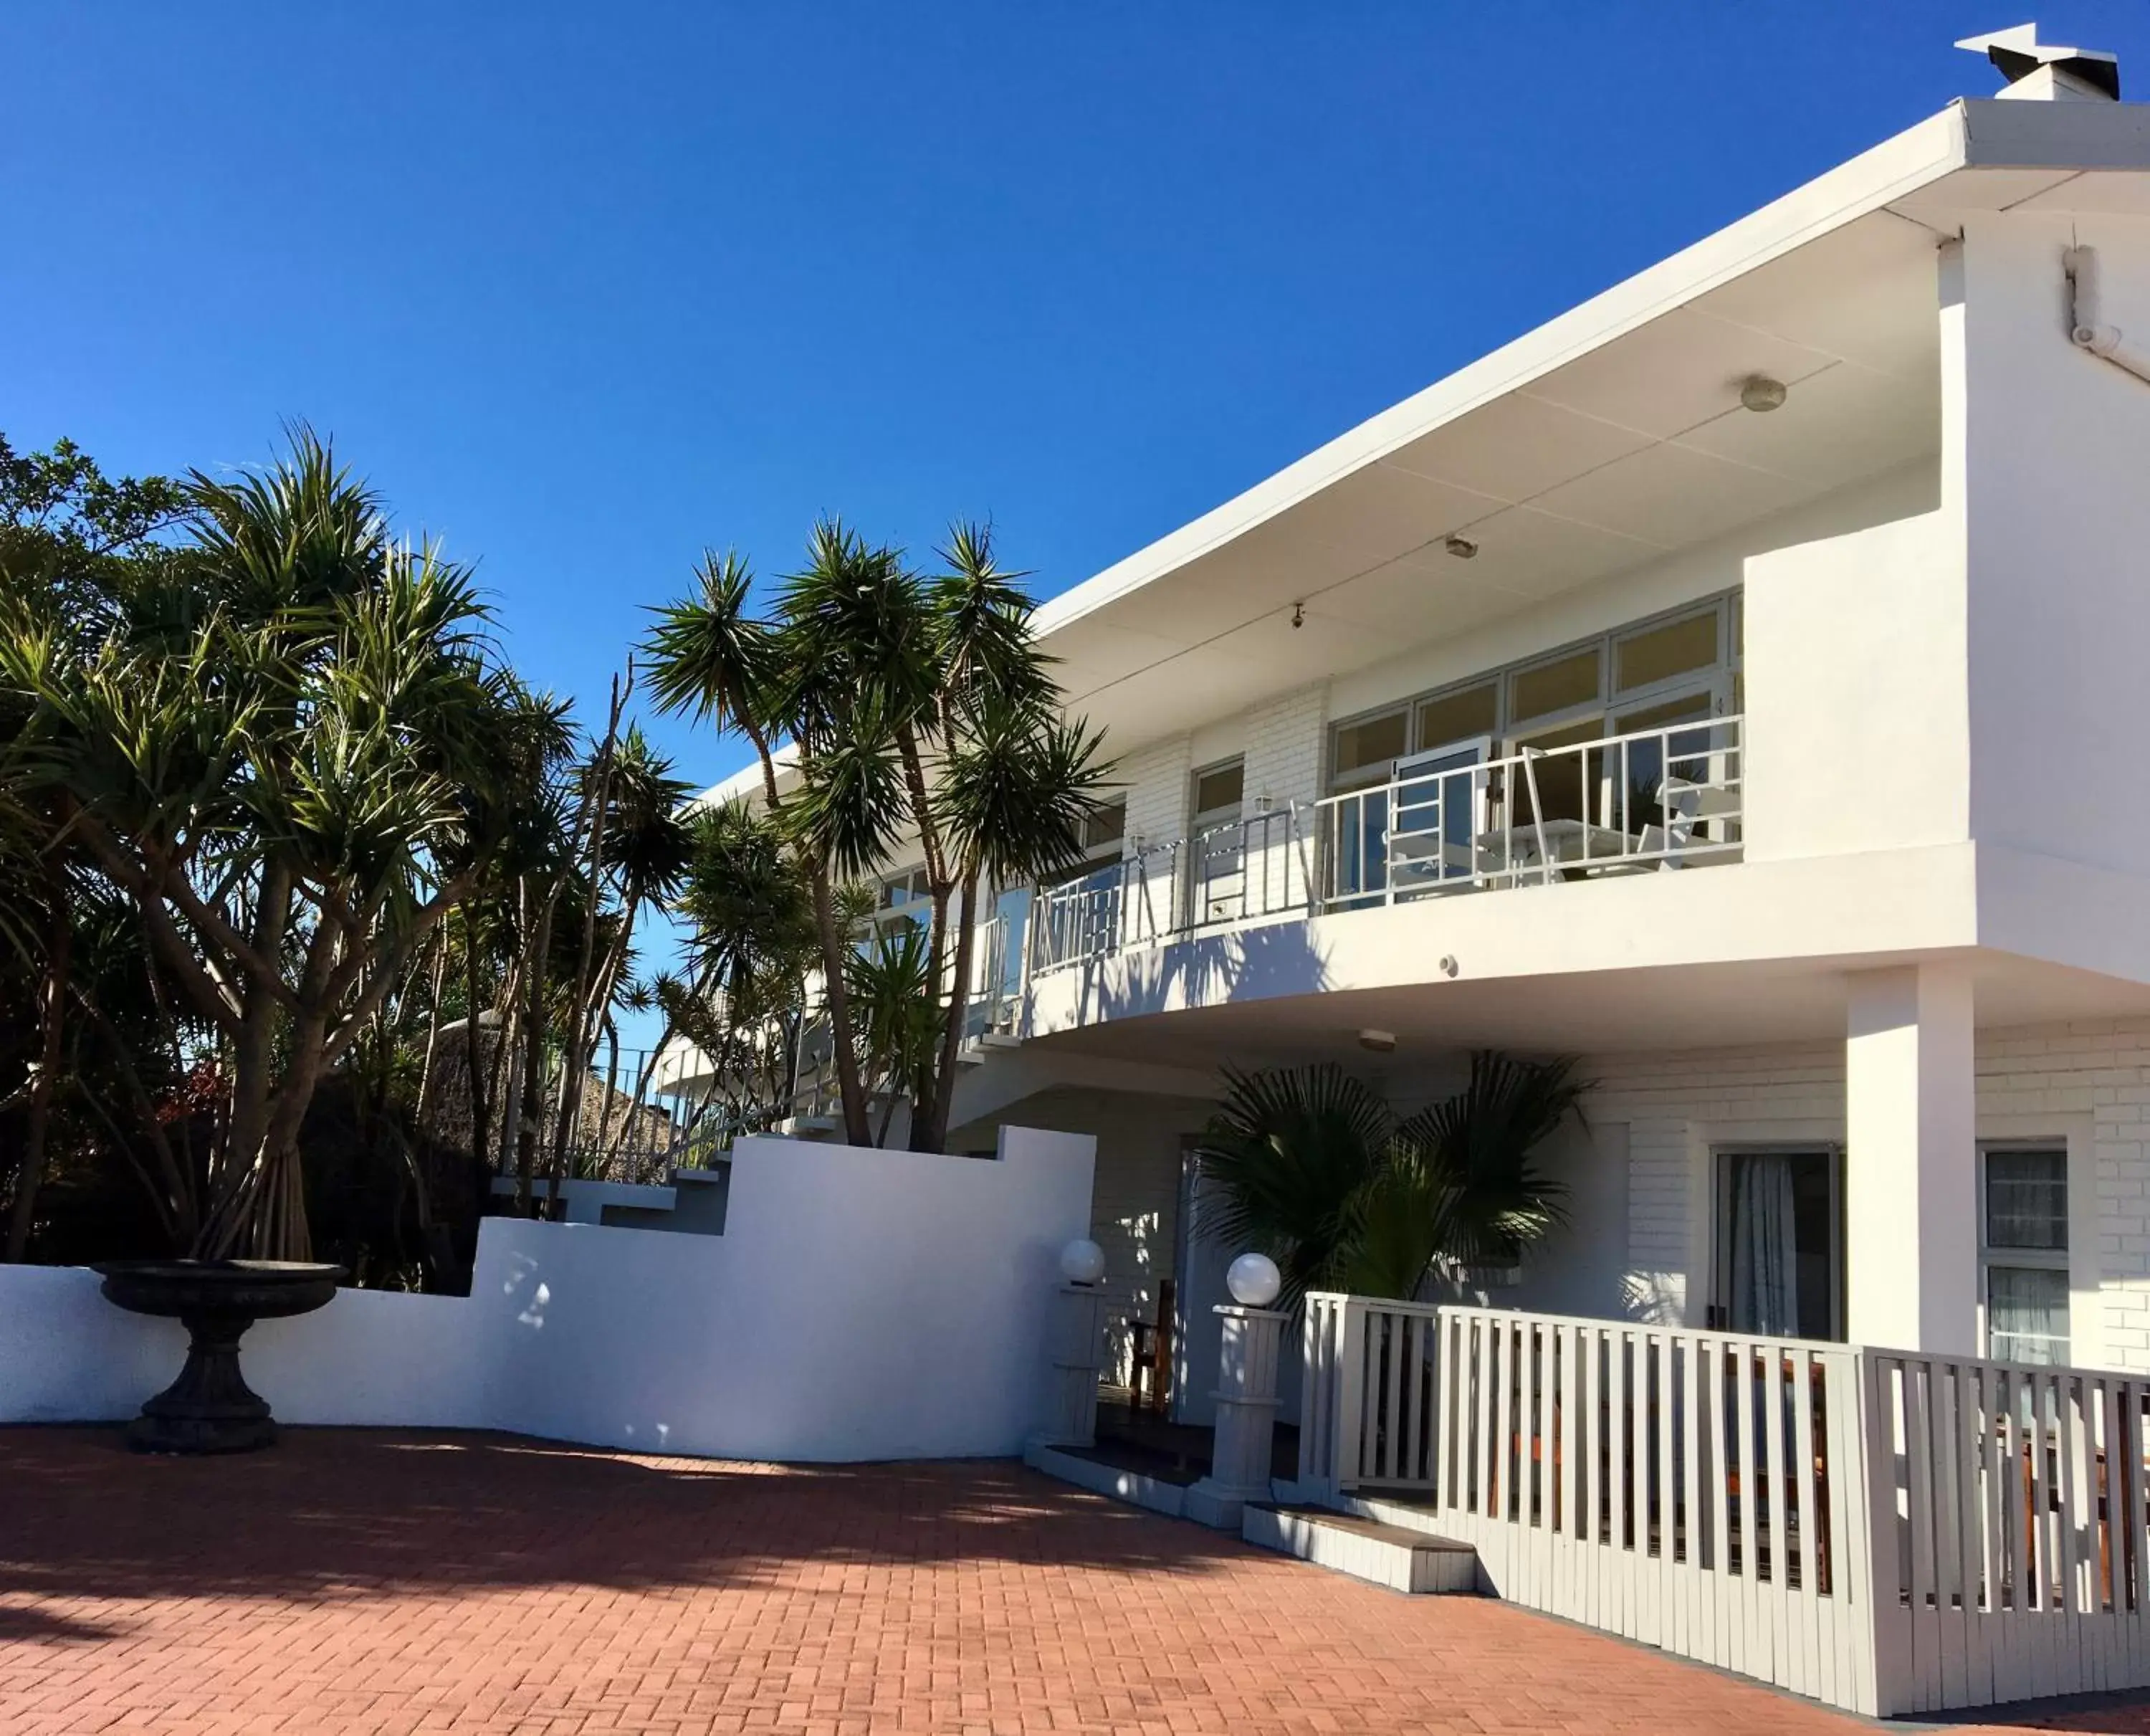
point(1742, 683)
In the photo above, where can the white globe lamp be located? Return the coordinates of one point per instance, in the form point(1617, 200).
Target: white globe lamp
point(1082, 1261)
point(1254, 1281)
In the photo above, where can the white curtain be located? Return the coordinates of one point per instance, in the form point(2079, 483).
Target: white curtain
point(1765, 1286)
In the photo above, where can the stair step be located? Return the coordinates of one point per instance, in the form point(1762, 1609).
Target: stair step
point(1402, 1558)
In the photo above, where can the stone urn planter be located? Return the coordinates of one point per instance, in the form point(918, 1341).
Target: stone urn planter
point(209, 1409)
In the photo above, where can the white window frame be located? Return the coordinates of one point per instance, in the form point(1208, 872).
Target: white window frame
point(2047, 1260)
point(1720, 681)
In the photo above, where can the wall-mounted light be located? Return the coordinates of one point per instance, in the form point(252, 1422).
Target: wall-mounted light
point(1380, 1042)
point(1462, 547)
point(1760, 393)
point(1299, 615)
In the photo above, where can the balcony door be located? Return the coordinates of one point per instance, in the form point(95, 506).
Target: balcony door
point(1217, 846)
point(1779, 1243)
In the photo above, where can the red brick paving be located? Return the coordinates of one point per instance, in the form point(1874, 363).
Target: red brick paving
point(367, 1582)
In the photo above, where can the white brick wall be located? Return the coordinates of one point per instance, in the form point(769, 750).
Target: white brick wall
point(2041, 1077)
point(1155, 779)
point(1284, 748)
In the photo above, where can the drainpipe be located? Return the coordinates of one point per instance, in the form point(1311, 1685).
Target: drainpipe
point(2087, 329)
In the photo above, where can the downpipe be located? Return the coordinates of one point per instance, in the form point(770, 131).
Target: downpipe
point(2087, 329)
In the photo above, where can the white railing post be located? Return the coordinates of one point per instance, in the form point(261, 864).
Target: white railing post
point(1350, 1392)
point(1246, 1417)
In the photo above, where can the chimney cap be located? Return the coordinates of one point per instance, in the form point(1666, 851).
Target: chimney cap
point(2018, 53)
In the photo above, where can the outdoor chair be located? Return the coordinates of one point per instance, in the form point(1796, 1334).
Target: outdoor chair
point(1152, 1354)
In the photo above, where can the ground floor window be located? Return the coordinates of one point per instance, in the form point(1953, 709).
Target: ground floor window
point(1779, 1254)
point(2023, 1252)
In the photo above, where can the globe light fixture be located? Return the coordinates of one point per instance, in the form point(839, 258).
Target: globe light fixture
point(1254, 1281)
point(1082, 1261)
point(1760, 393)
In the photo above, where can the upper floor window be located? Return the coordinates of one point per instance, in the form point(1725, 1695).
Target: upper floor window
point(1105, 829)
point(2023, 1252)
point(1219, 791)
point(1644, 676)
point(1364, 750)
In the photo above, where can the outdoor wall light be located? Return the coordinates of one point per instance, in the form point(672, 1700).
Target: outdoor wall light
point(1760, 393)
point(1381, 1042)
point(1254, 1281)
point(1462, 547)
point(1082, 1261)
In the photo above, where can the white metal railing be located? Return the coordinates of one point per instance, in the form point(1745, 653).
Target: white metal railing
point(1670, 797)
point(1886, 1532)
point(1660, 797)
point(1244, 870)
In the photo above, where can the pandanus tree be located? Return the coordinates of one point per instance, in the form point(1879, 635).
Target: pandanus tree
point(67, 531)
point(919, 711)
point(289, 751)
point(1311, 1166)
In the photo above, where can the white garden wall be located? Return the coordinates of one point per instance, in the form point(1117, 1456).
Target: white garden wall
point(860, 1304)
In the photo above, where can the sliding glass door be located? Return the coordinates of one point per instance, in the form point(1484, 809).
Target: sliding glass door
point(1779, 1243)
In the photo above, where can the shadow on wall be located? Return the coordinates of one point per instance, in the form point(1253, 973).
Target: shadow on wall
point(335, 1514)
point(1248, 964)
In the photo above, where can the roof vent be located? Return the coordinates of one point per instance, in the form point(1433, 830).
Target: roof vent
point(2045, 72)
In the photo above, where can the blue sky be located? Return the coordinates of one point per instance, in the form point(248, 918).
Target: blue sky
point(584, 288)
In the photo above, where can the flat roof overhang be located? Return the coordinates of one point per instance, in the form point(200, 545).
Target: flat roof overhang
point(1598, 442)
point(1601, 442)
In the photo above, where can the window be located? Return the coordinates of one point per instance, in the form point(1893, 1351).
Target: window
point(1218, 792)
point(1369, 746)
point(1560, 685)
point(905, 888)
point(1459, 716)
point(2024, 1252)
point(1637, 677)
point(1658, 653)
point(1106, 827)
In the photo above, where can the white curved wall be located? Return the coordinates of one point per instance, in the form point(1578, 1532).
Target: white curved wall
point(860, 1304)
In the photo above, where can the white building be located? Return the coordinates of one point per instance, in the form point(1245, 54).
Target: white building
point(1832, 514)
point(1816, 556)
point(1737, 682)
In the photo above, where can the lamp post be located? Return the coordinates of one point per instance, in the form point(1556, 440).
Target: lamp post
point(1246, 1396)
point(1078, 1327)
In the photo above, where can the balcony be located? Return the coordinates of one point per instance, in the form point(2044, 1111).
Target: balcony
point(1444, 824)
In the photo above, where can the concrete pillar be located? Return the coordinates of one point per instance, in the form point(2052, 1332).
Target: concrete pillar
point(1246, 1417)
point(1911, 1160)
point(1079, 1333)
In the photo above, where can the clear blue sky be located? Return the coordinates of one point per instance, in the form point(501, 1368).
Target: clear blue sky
point(585, 287)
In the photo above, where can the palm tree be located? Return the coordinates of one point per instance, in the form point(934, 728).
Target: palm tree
point(1308, 1165)
point(915, 707)
point(287, 748)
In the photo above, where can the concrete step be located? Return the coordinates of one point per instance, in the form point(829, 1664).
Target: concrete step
point(1401, 1557)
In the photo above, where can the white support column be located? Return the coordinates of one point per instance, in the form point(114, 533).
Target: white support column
point(1911, 1161)
point(1246, 1417)
point(1078, 1330)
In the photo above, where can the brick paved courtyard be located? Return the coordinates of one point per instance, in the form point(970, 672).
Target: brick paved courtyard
point(361, 1582)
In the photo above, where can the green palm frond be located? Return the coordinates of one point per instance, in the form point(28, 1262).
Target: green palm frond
point(1282, 1162)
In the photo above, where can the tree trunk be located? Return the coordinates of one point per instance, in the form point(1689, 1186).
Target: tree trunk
point(58, 960)
point(858, 1128)
point(933, 1135)
point(479, 1063)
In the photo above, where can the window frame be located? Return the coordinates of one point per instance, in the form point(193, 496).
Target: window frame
point(1720, 680)
point(2060, 1259)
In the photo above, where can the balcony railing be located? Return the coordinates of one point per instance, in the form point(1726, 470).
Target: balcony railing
point(1648, 800)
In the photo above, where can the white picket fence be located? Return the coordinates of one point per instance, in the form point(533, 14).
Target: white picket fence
point(1883, 1532)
